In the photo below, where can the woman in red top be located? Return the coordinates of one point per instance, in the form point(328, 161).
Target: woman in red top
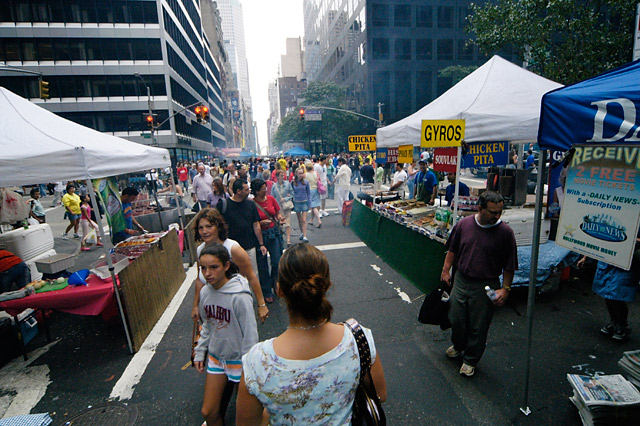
point(14, 273)
point(269, 212)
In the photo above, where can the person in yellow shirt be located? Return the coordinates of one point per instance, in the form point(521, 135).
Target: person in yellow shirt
point(71, 203)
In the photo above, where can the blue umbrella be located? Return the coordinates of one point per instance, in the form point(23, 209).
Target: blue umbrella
point(296, 150)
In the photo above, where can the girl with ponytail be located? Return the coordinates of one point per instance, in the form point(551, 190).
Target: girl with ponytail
point(309, 374)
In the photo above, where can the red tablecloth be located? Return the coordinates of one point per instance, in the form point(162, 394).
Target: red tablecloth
point(80, 300)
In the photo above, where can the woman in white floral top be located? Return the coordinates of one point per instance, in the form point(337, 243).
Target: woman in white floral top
point(309, 374)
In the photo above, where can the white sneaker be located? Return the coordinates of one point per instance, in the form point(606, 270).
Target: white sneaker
point(64, 237)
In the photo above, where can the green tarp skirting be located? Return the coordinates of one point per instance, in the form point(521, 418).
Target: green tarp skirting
point(416, 256)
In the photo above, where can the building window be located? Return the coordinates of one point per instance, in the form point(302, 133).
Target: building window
point(380, 48)
point(445, 17)
point(465, 50)
point(444, 84)
point(423, 88)
point(402, 15)
point(403, 48)
point(463, 12)
point(424, 49)
point(424, 16)
point(445, 50)
point(402, 92)
point(380, 15)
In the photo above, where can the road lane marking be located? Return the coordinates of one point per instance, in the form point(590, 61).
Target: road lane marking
point(341, 246)
point(123, 389)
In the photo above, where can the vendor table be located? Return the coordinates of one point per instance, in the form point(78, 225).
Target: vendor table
point(80, 300)
point(93, 299)
point(416, 256)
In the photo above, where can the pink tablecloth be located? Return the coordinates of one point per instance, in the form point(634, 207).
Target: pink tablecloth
point(80, 300)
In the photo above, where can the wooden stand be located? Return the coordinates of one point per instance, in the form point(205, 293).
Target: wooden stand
point(149, 283)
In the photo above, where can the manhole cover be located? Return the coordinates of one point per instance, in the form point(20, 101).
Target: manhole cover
point(111, 413)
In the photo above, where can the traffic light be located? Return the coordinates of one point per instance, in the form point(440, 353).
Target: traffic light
point(202, 114)
point(301, 114)
point(44, 89)
point(149, 119)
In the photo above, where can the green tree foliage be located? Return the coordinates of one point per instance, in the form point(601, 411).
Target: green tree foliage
point(335, 126)
point(564, 40)
point(456, 72)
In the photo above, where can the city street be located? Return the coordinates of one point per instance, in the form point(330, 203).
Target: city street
point(84, 365)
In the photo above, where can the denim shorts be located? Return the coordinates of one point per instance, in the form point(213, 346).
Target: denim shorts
point(300, 206)
point(71, 216)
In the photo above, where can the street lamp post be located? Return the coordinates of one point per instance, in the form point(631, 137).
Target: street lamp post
point(153, 126)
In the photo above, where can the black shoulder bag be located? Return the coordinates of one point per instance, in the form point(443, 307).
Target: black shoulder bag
point(367, 408)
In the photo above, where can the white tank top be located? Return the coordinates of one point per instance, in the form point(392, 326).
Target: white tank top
point(228, 244)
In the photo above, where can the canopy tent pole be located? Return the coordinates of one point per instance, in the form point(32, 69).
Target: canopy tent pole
point(155, 197)
point(533, 275)
point(456, 188)
point(105, 249)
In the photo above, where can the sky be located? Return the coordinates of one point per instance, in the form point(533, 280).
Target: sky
point(267, 25)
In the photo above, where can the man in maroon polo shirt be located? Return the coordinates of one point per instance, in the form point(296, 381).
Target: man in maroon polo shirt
point(480, 249)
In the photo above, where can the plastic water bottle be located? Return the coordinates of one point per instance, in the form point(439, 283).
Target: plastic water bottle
point(491, 293)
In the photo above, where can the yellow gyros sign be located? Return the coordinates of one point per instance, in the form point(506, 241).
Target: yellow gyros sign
point(441, 133)
point(362, 143)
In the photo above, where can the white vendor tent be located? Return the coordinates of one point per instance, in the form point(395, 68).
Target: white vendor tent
point(38, 146)
point(499, 102)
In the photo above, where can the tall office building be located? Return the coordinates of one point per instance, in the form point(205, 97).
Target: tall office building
point(387, 51)
point(234, 42)
point(109, 62)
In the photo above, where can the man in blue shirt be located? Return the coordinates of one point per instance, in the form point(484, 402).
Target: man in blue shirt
point(463, 190)
point(531, 160)
point(426, 183)
point(128, 196)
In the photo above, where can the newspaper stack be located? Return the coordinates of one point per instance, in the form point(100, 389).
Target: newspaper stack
point(630, 363)
point(605, 400)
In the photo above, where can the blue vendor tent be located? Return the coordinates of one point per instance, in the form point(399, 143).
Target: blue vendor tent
point(603, 109)
point(297, 151)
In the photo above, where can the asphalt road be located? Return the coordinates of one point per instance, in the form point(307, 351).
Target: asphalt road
point(89, 356)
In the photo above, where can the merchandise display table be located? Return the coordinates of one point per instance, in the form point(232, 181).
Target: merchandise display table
point(92, 299)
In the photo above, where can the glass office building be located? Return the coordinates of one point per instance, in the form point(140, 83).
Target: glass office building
point(387, 51)
point(103, 57)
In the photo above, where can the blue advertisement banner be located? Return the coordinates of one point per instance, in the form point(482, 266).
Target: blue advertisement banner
point(485, 154)
point(381, 155)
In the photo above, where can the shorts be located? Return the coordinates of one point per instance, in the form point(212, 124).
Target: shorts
point(72, 216)
point(300, 206)
point(232, 368)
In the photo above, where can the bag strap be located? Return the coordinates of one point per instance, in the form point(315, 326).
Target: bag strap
point(265, 212)
point(364, 351)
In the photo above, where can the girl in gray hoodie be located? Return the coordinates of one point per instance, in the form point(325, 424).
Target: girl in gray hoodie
point(229, 328)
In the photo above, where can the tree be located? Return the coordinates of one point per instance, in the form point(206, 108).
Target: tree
point(564, 40)
point(456, 72)
point(335, 126)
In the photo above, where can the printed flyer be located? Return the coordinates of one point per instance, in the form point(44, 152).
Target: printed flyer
point(601, 206)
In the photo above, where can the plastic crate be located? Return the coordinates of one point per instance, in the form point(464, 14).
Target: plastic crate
point(55, 264)
point(101, 268)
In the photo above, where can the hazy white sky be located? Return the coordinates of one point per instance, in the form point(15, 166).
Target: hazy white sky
point(267, 25)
